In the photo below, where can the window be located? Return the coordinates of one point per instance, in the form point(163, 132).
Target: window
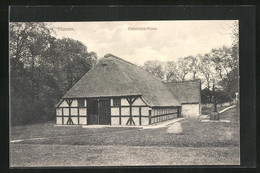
point(81, 103)
point(116, 102)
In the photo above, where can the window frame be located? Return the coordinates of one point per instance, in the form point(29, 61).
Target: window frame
point(117, 102)
point(81, 101)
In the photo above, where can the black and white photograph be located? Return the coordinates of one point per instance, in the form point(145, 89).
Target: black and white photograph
point(124, 93)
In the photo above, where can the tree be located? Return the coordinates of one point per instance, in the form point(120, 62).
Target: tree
point(154, 67)
point(193, 65)
point(171, 72)
point(42, 69)
point(206, 69)
point(222, 97)
point(68, 60)
point(235, 40)
point(206, 95)
point(183, 67)
point(235, 55)
point(28, 41)
point(231, 83)
point(226, 67)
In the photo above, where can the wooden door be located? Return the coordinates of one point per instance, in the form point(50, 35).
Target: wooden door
point(104, 111)
point(92, 111)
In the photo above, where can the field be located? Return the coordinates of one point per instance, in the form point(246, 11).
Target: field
point(201, 143)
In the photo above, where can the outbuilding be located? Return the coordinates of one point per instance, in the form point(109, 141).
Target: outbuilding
point(117, 92)
point(188, 93)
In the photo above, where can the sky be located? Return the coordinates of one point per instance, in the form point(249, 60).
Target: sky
point(140, 41)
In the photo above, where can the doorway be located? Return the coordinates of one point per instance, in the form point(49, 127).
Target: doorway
point(98, 111)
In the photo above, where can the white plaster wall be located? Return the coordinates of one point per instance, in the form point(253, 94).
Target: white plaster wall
point(74, 111)
point(136, 120)
point(145, 110)
point(58, 111)
point(139, 102)
point(124, 102)
point(65, 119)
point(135, 111)
point(145, 121)
point(114, 111)
point(58, 120)
point(64, 104)
point(125, 110)
point(82, 111)
point(114, 120)
point(82, 120)
point(74, 103)
point(66, 111)
point(190, 110)
point(111, 102)
point(75, 120)
point(124, 120)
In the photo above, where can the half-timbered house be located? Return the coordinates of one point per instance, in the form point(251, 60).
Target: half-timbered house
point(117, 92)
point(188, 93)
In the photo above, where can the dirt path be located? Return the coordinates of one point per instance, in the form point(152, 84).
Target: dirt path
point(227, 109)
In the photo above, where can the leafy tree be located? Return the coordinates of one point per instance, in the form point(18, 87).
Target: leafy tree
point(226, 67)
point(154, 67)
point(193, 65)
point(171, 71)
point(67, 61)
point(28, 41)
point(206, 68)
point(231, 83)
point(235, 40)
point(206, 95)
point(42, 69)
point(222, 97)
point(183, 67)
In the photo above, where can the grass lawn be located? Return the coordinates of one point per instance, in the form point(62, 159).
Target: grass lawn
point(200, 143)
point(49, 130)
point(92, 155)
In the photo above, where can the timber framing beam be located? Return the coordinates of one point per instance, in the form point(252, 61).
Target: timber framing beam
point(131, 100)
point(69, 122)
point(140, 116)
point(120, 114)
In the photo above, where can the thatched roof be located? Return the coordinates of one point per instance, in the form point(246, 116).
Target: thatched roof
point(113, 76)
point(186, 91)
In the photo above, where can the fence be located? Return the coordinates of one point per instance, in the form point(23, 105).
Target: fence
point(163, 114)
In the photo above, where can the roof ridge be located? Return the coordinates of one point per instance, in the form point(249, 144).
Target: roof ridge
point(111, 55)
point(186, 81)
point(118, 58)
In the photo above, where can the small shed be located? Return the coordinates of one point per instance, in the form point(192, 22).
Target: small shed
point(117, 92)
point(188, 93)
